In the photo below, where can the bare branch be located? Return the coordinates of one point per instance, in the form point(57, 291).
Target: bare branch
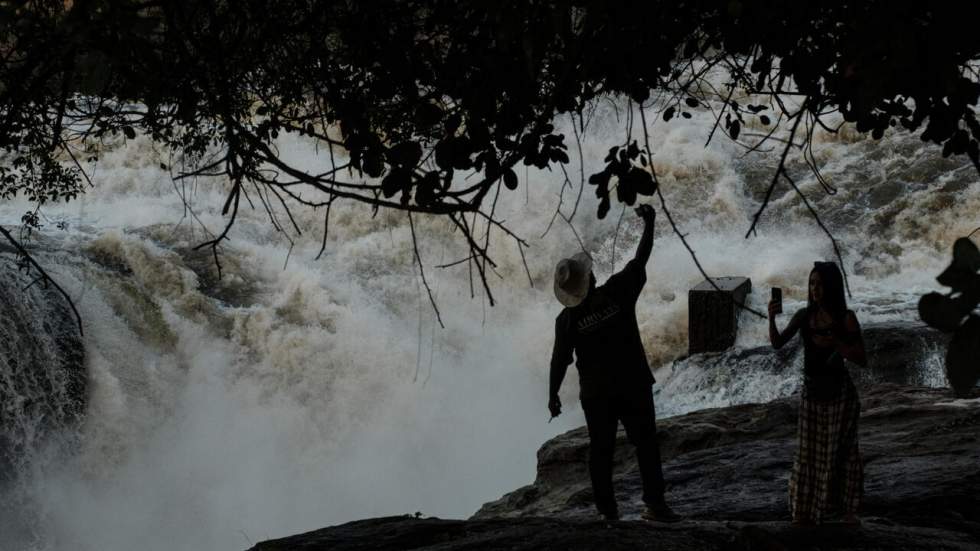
point(418, 259)
point(581, 168)
point(520, 248)
point(326, 227)
point(724, 106)
point(673, 225)
point(44, 275)
point(580, 243)
point(780, 168)
point(478, 252)
point(616, 237)
point(233, 197)
point(840, 260)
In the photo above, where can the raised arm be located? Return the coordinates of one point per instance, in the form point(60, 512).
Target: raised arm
point(643, 250)
point(561, 356)
point(777, 339)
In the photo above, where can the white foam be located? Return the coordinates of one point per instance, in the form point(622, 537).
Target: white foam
point(332, 395)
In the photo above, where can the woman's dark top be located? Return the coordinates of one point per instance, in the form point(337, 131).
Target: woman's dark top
point(824, 373)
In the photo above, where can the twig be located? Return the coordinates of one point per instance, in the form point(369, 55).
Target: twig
point(780, 169)
point(581, 168)
point(530, 280)
point(326, 227)
point(580, 243)
point(673, 225)
point(475, 248)
point(27, 256)
point(288, 253)
point(456, 263)
point(561, 198)
point(233, 198)
point(840, 260)
point(616, 237)
point(724, 106)
point(418, 258)
point(418, 350)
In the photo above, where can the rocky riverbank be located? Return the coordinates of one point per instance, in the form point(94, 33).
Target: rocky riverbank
point(727, 472)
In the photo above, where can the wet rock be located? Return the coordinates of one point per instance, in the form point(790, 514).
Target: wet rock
point(231, 286)
point(727, 471)
point(920, 445)
point(901, 353)
point(399, 533)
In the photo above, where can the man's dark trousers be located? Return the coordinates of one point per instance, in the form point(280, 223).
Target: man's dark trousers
point(602, 415)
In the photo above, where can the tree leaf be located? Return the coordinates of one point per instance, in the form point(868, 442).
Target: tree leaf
point(669, 113)
point(444, 154)
point(559, 156)
point(603, 207)
point(396, 180)
point(625, 191)
point(510, 179)
point(405, 154)
point(129, 132)
point(425, 191)
point(372, 164)
point(600, 178)
point(633, 150)
point(612, 154)
point(643, 182)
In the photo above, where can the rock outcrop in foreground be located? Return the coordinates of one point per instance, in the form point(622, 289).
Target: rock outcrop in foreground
point(727, 472)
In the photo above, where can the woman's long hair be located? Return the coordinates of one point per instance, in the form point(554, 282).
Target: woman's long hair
point(833, 290)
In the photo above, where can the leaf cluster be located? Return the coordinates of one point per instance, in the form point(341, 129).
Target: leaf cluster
point(427, 106)
point(471, 85)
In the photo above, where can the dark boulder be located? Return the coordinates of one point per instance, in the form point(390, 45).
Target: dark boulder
point(727, 472)
point(535, 533)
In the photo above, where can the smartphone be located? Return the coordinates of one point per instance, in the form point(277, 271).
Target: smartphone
point(777, 297)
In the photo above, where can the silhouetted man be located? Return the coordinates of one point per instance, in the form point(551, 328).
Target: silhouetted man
point(599, 325)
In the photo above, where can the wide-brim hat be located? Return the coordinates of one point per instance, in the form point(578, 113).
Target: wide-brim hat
point(572, 279)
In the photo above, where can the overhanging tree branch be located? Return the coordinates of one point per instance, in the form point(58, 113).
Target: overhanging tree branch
point(27, 257)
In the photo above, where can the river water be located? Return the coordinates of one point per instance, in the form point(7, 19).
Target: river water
point(297, 393)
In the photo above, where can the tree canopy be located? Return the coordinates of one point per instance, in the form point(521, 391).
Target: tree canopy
point(427, 106)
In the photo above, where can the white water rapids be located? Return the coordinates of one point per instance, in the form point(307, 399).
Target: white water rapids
point(284, 399)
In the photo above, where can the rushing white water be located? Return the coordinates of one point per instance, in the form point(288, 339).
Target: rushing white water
point(291, 396)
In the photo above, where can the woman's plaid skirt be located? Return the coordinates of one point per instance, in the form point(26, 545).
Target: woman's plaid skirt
point(828, 476)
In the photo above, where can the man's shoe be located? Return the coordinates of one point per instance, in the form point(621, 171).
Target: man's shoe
point(608, 517)
point(660, 513)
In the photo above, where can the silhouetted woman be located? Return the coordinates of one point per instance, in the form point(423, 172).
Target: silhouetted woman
point(827, 478)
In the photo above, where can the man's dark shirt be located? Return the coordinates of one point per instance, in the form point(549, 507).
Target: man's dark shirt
point(605, 337)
